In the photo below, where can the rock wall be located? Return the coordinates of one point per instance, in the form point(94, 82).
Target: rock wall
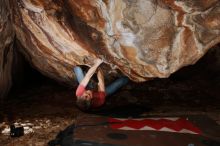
point(6, 48)
point(144, 39)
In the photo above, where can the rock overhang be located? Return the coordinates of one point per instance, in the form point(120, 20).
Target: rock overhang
point(144, 39)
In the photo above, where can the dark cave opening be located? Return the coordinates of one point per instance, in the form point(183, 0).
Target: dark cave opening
point(26, 77)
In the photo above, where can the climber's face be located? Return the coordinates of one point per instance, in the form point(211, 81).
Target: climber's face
point(87, 95)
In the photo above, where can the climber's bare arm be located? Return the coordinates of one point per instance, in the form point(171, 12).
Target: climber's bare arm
point(90, 73)
point(101, 81)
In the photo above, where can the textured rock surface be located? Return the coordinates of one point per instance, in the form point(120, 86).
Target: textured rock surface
point(142, 38)
point(6, 50)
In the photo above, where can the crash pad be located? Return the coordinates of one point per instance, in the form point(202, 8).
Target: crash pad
point(197, 130)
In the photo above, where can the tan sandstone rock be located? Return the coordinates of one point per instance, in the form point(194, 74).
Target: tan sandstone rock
point(143, 39)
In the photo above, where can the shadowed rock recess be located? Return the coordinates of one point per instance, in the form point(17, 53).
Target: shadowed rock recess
point(6, 48)
point(143, 39)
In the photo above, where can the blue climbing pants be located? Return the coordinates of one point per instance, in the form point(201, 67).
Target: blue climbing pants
point(110, 89)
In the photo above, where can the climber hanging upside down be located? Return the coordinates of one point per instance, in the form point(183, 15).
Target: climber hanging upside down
point(89, 98)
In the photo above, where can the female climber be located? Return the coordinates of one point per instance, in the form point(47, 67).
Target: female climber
point(89, 98)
